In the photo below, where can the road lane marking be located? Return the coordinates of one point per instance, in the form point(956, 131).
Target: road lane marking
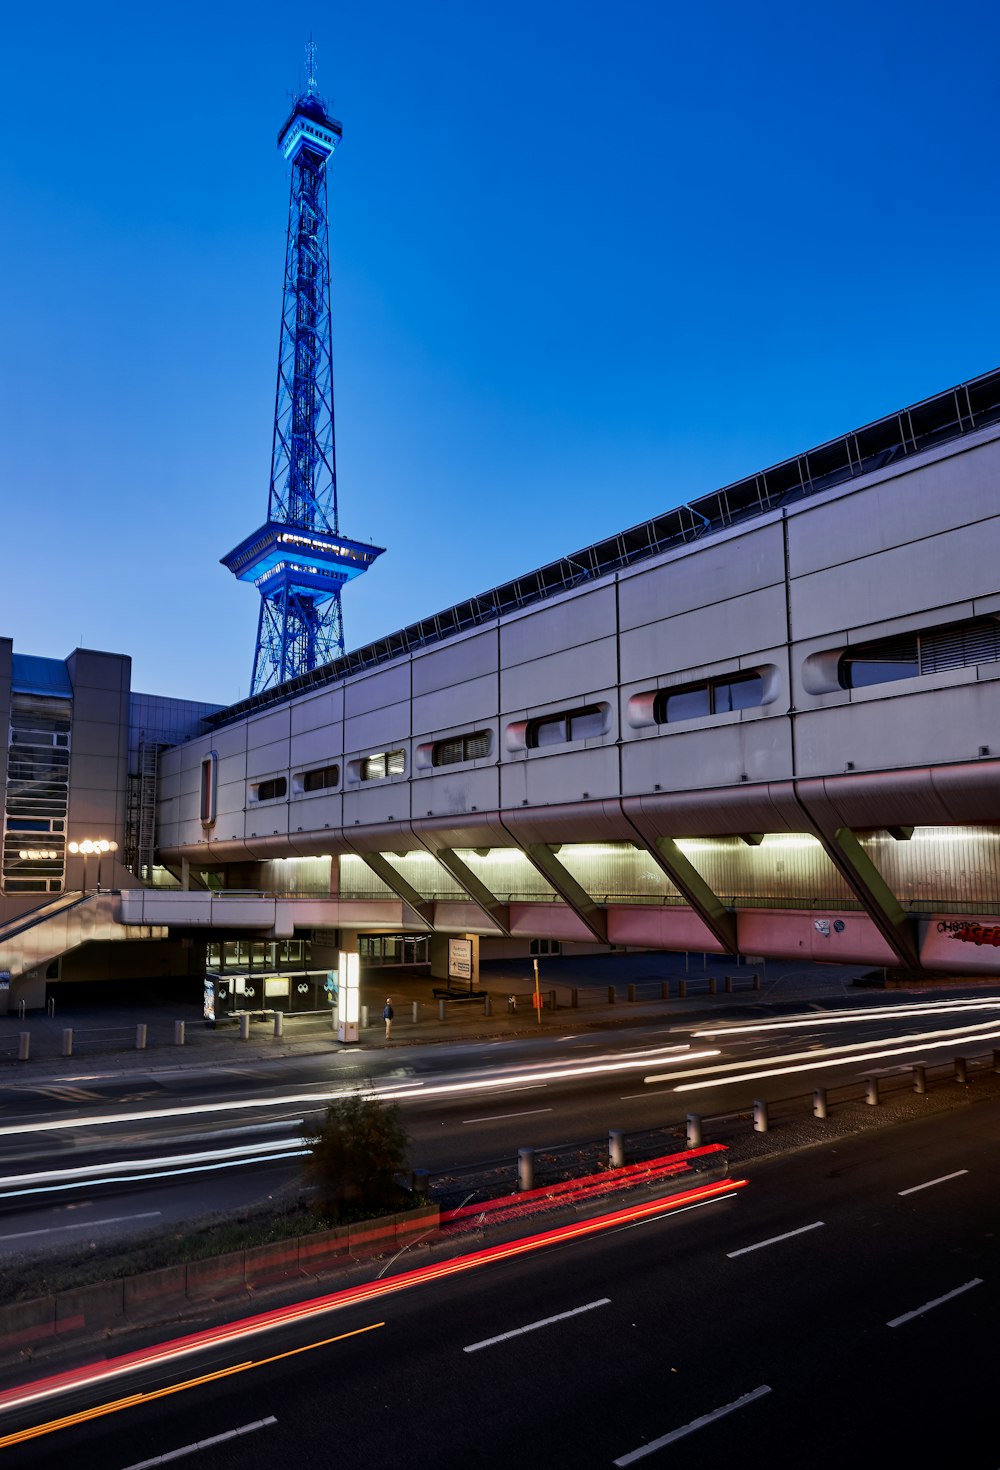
point(938, 1300)
point(496, 1117)
point(931, 1182)
point(474, 1347)
point(774, 1239)
point(83, 1225)
point(202, 1444)
point(675, 1434)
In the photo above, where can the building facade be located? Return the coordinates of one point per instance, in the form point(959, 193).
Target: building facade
point(765, 723)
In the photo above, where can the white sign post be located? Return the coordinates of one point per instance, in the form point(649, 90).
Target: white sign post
point(349, 1008)
point(460, 960)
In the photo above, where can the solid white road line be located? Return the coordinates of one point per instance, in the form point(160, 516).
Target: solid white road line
point(931, 1182)
point(496, 1117)
point(927, 1306)
point(675, 1434)
point(774, 1239)
point(203, 1444)
point(534, 1326)
point(83, 1225)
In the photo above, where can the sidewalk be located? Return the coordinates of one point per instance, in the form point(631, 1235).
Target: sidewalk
point(107, 1034)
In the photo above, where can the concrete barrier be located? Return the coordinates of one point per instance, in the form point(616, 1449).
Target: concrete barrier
point(217, 1277)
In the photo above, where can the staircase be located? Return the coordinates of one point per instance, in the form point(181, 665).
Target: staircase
point(42, 934)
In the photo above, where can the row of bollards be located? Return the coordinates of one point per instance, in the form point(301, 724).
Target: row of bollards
point(526, 1159)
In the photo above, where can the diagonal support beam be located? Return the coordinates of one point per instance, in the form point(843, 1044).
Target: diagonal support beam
point(498, 913)
point(421, 906)
point(881, 904)
point(688, 881)
point(541, 856)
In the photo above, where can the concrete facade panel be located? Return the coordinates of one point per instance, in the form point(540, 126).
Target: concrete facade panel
point(458, 708)
point(462, 662)
point(573, 620)
point(715, 639)
point(698, 577)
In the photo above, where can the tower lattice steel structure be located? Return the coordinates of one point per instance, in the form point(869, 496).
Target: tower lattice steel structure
point(298, 559)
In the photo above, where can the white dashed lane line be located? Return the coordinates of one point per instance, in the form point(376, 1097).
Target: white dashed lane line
point(776, 1239)
point(931, 1182)
point(474, 1347)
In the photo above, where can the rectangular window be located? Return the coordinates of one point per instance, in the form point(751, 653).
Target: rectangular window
point(954, 646)
point(572, 724)
point(386, 763)
point(321, 779)
point(271, 790)
point(461, 748)
point(37, 795)
point(209, 788)
point(713, 697)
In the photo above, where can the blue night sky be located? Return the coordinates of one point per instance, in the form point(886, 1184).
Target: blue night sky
point(588, 262)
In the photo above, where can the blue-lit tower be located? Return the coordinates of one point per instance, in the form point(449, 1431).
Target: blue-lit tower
point(298, 559)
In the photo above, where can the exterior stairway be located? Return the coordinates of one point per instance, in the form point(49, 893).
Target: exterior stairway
point(53, 928)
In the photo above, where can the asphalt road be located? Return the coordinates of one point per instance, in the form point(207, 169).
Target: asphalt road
point(838, 1310)
point(105, 1156)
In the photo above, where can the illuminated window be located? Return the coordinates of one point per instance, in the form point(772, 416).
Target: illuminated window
point(386, 763)
point(712, 697)
point(37, 794)
point(461, 748)
point(955, 646)
point(571, 724)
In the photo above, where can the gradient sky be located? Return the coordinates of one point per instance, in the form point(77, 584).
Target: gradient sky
point(588, 262)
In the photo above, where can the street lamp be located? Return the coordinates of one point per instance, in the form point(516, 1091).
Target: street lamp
point(100, 845)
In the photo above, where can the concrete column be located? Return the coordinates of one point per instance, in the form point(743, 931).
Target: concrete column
point(67, 1041)
point(140, 1036)
point(450, 964)
point(694, 1132)
point(245, 1026)
point(961, 1070)
point(525, 1168)
point(919, 1078)
point(24, 1046)
point(819, 1102)
point(616, 1148)
point(871, 1091)
point(760, 1116)
point(279, 1023)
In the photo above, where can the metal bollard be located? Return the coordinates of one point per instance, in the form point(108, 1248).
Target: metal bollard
point(574, 998)
point(711, 985)
point(418, 1180)
point(729, 984)
point(819, 1102)
point(919, 1078)
point(50, 1005)
point(487, 1008)
point(871, 1091)
point(364, 1018)
point(441, 1006)
point(756, 981)
point(416, 1011)
point(682, 989)
point(616, 1148)
point(552, 1000)
point(631, 992)
point(20, 1013)
point(245, 1026)
point(525, 1168)
point(694, 1130)
point(179, 1030)
point(664, 989)
point(760, 1116)
point(611, 995)
point(961, 1070)
point(67, 1041)
point(140, 1036)
point(24, 1046)
point(279, 1023)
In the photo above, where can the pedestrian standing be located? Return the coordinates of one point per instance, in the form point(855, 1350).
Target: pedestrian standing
point(387, 1015)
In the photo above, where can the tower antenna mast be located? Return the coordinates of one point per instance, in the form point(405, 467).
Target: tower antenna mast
point(297, 559)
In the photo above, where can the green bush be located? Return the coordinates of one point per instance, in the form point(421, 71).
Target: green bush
point(355, 1154)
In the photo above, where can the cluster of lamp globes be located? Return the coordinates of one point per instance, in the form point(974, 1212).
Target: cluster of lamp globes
point(87, 848)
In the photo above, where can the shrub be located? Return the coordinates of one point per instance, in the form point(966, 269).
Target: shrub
point(355, 1154)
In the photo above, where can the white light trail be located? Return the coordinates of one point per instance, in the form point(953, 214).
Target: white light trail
point(859, 1013)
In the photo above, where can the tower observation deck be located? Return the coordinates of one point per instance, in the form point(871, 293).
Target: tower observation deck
point(297, 559)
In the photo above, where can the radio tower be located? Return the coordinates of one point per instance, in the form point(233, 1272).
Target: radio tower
point(297, 559)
